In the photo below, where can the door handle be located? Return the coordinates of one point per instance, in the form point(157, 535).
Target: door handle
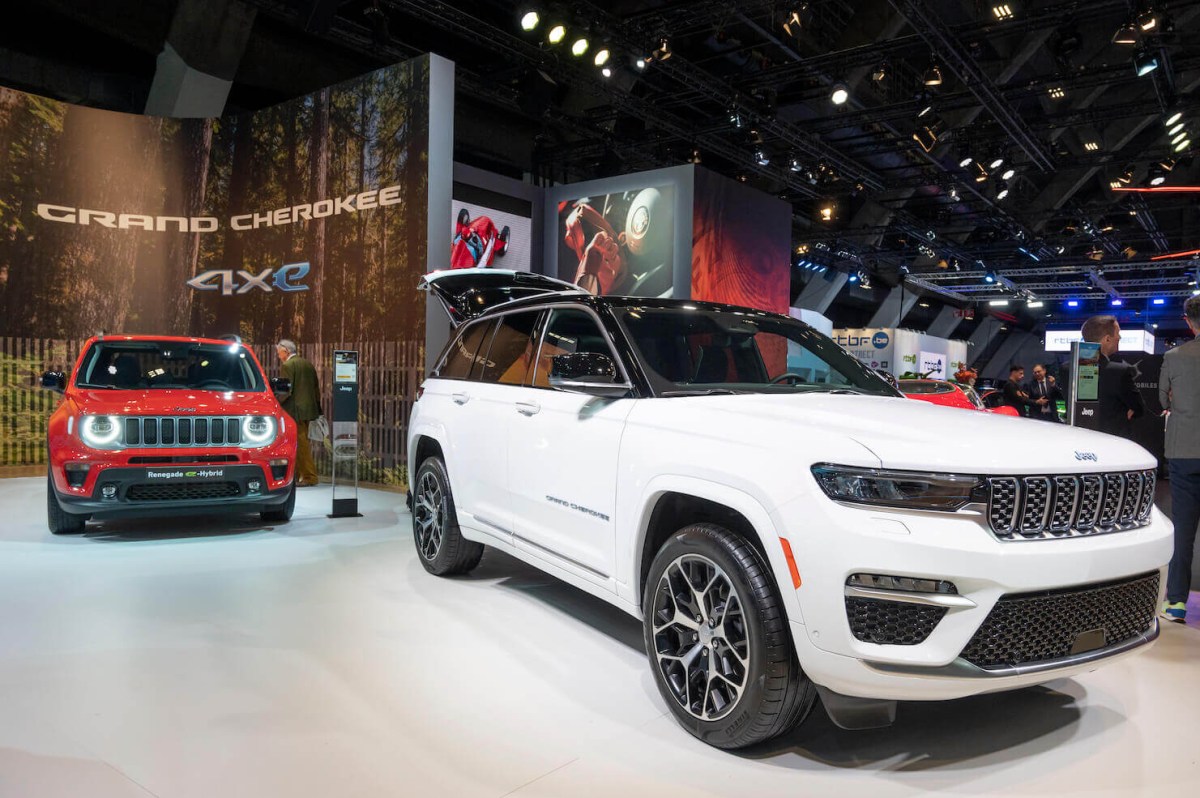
point(460, 398)
point(528, 408)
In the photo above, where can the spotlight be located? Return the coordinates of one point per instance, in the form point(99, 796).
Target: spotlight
point(966, 161)
point(1173, 118)
point(601, 57)
point(933, 75)
point(794, 164)
point(853, 277)
point(663, 51)
point(827, 210)
point(1116, 303)
point(1057, 92)
point(1147, 20)
point(1183, 145)
point(606, 72)
point(761, 158)
point(997, 162)
point(1144, 62)
point(840, 94)
point(1008, 173)
point(1158, 176)
point(695, 156)
point(880, 71)
point(954, 193)
point(1167, 164)
point(1126, 34)
point(639, 63)
point(579, 47)
point(1178, 137)
point(1003, 11)
point(1126, 177)
point(1003, 192)
point(1072, 303)
point(1175, 129)
point(989, 277)
point(1160, 301)
point(794, 21)
point(530, 20)
point(735, 119)
point(557, 34)
point(981, 174)
point(1091, 146)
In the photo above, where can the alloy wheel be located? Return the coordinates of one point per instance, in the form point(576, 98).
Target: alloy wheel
point(429, 515)
point(700, 638)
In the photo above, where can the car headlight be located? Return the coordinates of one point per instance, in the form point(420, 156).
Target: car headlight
point(913, 490)
point(100, 432)
point(258, 430)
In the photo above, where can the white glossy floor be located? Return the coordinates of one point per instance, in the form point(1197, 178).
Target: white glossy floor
point(225, 658)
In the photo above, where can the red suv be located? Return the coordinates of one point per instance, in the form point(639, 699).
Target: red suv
point(168, 426)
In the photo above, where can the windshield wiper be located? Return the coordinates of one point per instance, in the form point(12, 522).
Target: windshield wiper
point(89, 385)
point(703, 392)
point(839, 390)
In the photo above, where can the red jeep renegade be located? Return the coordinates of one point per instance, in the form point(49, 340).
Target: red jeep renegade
point(158, 425)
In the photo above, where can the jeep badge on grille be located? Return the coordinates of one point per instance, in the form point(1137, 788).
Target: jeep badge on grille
point(1087, 456)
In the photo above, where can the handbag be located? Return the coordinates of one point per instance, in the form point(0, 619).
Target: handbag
point(318, 429)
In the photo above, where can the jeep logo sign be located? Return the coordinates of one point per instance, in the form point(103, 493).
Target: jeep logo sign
point(1087, 456)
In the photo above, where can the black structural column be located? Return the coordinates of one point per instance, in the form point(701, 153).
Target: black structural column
point(200, 58)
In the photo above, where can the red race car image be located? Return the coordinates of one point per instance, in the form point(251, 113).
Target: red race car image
point(950, 394)
point(160, 425)
point(476, 241)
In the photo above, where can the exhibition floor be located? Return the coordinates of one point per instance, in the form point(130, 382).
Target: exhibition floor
point(224, 657)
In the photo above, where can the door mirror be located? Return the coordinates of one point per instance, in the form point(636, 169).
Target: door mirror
point(55, 381)
point(281, 385)
point(587, 372)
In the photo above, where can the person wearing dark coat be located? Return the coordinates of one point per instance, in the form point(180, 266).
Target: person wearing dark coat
point(1014, 396)
point(1044, 395)
point(1119, 400)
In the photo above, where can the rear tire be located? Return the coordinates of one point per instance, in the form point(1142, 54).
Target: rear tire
point(442, 549)
point(718, 641)
point(283, 513)
point(60, 521)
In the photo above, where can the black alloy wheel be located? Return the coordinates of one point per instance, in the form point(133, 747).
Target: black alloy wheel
point(442, 548)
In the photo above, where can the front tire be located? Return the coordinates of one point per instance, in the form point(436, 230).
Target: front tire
point(60, 521)
point(283, 513)
point(717, 637)
point(442, 549)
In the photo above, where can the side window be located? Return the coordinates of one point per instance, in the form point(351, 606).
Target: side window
point(568, 331)
point(461, 355)
point(510, 357)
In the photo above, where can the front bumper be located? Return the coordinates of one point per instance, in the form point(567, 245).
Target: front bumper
point(832, 541)
point(157, 490)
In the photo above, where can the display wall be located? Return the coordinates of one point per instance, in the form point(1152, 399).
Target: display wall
point(901, 351)
point(309, 220)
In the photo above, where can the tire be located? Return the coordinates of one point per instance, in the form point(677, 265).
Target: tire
point(442, 549)
point(60, 521)
point(761, 691)
point(283, 513)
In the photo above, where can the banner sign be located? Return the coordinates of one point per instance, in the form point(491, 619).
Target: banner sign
point(874, 347)
point(1132, 340)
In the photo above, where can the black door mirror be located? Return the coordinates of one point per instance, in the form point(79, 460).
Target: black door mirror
point(281, 385)
point(55, 381)
point(587, 372)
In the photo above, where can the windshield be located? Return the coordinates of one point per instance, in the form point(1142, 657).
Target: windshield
point(693, 350)
point(139, 365)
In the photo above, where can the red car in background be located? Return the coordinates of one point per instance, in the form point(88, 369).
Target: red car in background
point(950, 394)
point(476, 241)
point(160, 425)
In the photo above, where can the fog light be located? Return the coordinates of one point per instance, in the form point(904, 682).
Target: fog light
point(76, 473)
point(109, 491)
point(279, 468)
point(254, 486)
point(904, 583)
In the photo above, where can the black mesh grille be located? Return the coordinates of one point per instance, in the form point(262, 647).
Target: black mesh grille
point(893, 623)
point(1023, 629)
point(179, 491)
point(1023, 508)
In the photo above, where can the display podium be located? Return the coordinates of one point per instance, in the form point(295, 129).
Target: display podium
point(344, 432)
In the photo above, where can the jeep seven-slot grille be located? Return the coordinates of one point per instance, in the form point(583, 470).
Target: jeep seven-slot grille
point(1039, 507)
point(1035, 627)
point(182, 431)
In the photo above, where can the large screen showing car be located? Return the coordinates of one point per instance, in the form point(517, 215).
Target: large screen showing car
point(484, 237)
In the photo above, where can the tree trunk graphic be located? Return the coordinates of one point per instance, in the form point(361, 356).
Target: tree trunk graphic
point(227, 316)
point(315, 328)
point(183, 255)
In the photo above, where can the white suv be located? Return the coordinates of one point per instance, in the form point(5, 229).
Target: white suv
point(782, 521)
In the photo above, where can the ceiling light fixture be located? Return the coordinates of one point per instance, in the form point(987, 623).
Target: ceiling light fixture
point(1057, 92)
point(1008, 173)
point(663, 51)
point(981, 174)
point(761, 158)
point(880, 71)
point(1003, 192)
point(840, 94)
point(1003, 11)
point(601, 57)
point(606, 72)
point(1091, 146)
point(557, 34)
point(1183, 145)
point(1144, 62)
point(1126, 34)
point(530, 20)
point(966, 161)
point(793, 23)
point(933, 75)
point(1147, 20)
point(1173, 118)
point(579, 47)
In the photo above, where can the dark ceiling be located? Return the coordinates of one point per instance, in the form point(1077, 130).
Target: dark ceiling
point(747, 91)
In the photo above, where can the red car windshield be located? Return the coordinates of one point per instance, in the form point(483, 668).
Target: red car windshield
point(163, 365)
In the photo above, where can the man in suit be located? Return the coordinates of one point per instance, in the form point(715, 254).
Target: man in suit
point(1179, 393)
point(1044, 395)
point(1013, 395)
point(303, 404)
point(1120, 402)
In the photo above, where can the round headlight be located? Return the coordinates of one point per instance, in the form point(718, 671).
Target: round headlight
point(258, 430)
point(100, 431)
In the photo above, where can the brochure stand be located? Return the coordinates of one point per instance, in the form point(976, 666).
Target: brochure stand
point(345, 435)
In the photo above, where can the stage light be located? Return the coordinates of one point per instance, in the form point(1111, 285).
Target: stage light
point(663, 51)
point(997, 162)
point(1173, 118)
point(853, 277)
point(735, 119)
point(761, 158)
point(1003, 11)
point(840, 94)
point(1158, 176)
point(1008, 173)
point(1057, 92)
point(827, 212)
point(1144, 62)
point(557, 34)
point(601, 57)
point(1126, 177)
point(989, 276)
point(1175, 129)
point(1003, 192)
point(579, 47)
point(1160, 301)
point(1033, 303)
point(998, 303)
point(1183, 145)
point(639, 63)
point(794, 164)
point(606, 72)
point(1116, 303)
point(1072, 303)
point(1091, 146)
point(933, 75)
point(880, 71)
point(530, 20)
point(953, 193)
point(966, 161)
point(1147, 20)
point(1126, 34)
point(1167, 164)
point(794, 21)
point(1178, 137)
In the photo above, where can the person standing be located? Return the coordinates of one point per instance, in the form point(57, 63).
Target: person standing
point(1013, 395)
point(1179, 394)
point(1044, 395)
point(1120, 402)
point(303, 404)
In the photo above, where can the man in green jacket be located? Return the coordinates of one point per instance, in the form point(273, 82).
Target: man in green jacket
point(303, 404)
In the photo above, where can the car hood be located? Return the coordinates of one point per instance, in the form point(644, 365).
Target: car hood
point(921, 436)
point(176, 402)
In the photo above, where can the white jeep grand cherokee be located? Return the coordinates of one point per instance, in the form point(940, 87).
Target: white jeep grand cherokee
point(782, 521)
